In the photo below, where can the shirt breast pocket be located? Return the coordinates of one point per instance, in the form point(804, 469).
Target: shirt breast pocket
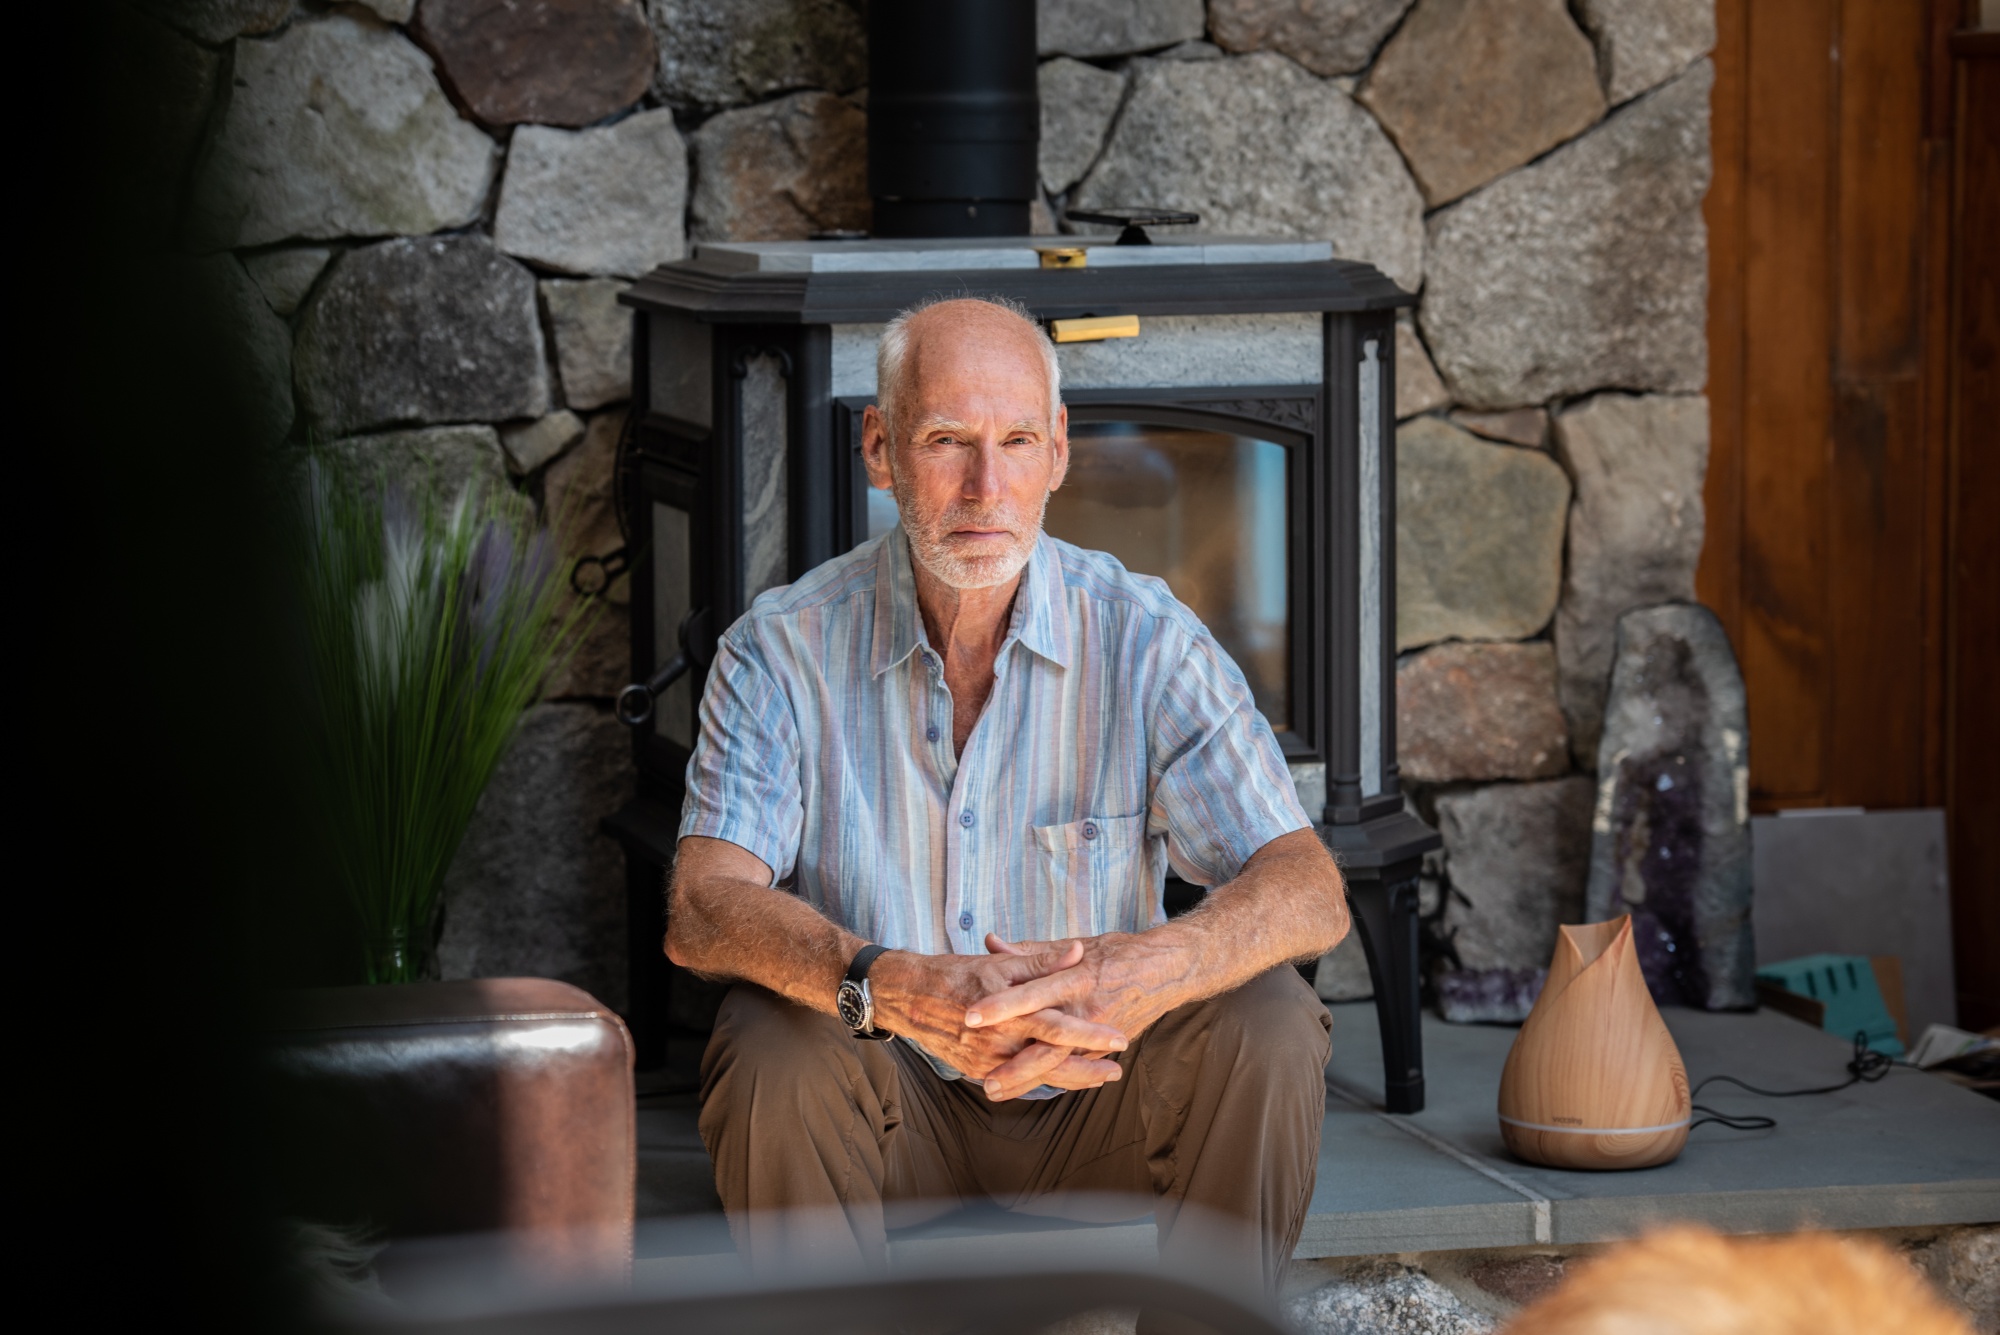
point(1089, 878)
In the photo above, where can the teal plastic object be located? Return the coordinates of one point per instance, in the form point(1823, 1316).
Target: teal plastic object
point(1846, 984)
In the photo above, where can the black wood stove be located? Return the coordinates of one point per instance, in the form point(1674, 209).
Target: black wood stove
point(1231, 403)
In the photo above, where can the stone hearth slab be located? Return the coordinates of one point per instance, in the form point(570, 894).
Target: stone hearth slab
point(1911, 1150)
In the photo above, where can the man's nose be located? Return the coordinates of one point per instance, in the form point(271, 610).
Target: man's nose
point(984, 476)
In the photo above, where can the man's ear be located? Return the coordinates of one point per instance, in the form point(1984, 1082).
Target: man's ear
point(1060, 440)
point(875, 448)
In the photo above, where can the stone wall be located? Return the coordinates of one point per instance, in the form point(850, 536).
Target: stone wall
point(427, 208)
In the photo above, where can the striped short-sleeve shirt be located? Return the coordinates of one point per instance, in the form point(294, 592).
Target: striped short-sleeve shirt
point(1119, 739)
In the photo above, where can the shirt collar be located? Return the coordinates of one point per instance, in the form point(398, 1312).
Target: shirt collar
point(1041, 613)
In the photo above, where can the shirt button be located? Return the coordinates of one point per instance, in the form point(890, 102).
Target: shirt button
point(930, 734)
point(1090, 829)
point(965, 921)
point(965, 819)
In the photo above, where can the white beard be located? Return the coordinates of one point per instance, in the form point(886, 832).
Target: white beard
point(930, 541)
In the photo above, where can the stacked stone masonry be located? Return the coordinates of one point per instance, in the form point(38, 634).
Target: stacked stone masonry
point(426, 210)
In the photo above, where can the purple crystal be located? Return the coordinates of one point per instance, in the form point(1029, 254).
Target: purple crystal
point(1489, 996)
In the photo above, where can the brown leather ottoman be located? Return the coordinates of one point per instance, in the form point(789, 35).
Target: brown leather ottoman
point(499, 1105)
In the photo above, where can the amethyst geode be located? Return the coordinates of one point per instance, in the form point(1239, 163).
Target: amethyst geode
point(1670, 838)
point(1488, 996)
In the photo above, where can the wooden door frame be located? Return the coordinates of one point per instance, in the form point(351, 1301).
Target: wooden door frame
point(1945, 449)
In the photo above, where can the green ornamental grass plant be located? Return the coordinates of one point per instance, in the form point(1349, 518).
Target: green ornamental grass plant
point(431, 624)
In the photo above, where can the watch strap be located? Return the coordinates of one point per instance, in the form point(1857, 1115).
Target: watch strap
point(867, 956)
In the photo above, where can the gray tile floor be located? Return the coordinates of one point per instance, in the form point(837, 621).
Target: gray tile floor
point(1909, 1150)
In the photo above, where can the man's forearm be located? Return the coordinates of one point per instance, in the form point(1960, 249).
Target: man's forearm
point(1288, 905)
point(720, 921)
point(724, 918)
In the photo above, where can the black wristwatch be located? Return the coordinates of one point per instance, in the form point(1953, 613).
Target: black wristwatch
point(856, 1006)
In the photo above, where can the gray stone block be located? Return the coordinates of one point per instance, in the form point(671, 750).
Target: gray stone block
point(1192, 49)
point(1585, 270)
point(593, 336)
point(1518, 853)
point(1635, 532)
point(578, 494)
point(263, 349)
point(1114, 27)
point(549, 62)
point(599, 201)
point(219, 21)
point(435, 330)
point(444, 458)
point(1078, 102)
point(782, 170)
point(725, 54)
point(1643, 43)
point(1471, 89)
point(337, 127)
point(1479, 536)
point(1526, 427)
point(286, 276)
point(1257, 145)
point(1670, 838)
point(536, 889)
point(1479, 711)
point(1418, 387)
point(529, 445)
point(1326, 36)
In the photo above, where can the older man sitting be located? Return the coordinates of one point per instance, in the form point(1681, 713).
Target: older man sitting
point(938, 786)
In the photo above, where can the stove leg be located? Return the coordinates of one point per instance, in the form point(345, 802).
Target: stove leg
point(1385, 910)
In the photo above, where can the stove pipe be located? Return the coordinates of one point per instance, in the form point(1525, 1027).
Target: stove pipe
point(953, 117)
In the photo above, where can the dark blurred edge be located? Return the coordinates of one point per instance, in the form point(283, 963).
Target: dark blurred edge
point(161, 780)
point(979, 1302)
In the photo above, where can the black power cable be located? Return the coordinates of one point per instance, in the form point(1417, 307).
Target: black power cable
point(1866, 1067)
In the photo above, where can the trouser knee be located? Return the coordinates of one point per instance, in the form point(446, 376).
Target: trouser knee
point(769, 1053)
point(1273, 1024)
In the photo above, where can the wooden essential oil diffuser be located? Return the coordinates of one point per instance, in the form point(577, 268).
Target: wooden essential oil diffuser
point(1594, 1079)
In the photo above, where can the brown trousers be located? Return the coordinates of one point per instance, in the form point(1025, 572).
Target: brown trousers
point(822, 1141)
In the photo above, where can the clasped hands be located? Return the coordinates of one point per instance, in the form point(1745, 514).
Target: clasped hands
point(1032, 1013)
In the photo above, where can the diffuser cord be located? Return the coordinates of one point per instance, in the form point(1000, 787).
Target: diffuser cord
point(1866, 1067)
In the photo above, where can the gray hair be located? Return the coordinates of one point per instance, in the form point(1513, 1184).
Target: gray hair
point(892, 355)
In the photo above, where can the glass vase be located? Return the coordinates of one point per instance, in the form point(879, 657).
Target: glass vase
point(393, 958)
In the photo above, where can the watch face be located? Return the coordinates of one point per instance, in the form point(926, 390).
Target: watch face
point(853, 1007)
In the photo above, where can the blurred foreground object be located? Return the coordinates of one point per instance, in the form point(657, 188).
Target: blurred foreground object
point(992, 1299)
point(1688, 1281)
point(1594, 1079)
point(500, 1106)
point(432, 622)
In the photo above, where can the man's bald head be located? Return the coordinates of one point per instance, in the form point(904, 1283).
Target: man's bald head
point(949, 328)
